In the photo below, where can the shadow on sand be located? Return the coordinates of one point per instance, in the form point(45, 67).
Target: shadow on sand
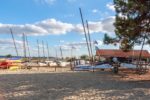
point(73, 85)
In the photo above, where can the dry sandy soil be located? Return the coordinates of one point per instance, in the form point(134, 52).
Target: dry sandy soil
point(45, 84)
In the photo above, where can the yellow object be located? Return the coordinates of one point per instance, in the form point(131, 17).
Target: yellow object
point(16, 61)
point(14, 68)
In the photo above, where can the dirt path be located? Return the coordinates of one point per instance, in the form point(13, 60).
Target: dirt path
point(1, 95)
point(71, 86)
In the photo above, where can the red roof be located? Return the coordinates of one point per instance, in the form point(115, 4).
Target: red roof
point(120, 53)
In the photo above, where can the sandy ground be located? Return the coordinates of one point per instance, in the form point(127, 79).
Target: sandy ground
point(45, 84)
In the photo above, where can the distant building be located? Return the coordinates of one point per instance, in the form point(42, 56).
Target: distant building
point(133, 54)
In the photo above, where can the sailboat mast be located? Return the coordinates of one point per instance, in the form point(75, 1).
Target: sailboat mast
point(27, 42)
point(38, 49)
point(85, 32)
point(48, 50)
point(61, 52)
point(89, 39)
point(14, 41)
point(43, 49)
point(24, 45)
point(56, 53)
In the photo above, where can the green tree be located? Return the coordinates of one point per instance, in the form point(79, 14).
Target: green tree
point(84, 57)
point(9, 56)
point(132, 24)
point(109, 40)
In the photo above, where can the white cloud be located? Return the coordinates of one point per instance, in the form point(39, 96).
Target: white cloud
point(123, 16)
point(52, 26)
point(95, 11)
point(78, 45)
point(67, 46)
point(146, 47)
point(107, 25)
point(110, 6)
point(7, 46)
point(45, 27)
point(83, 43)
point(104, 26)
point(100, 43)
point(56, 27)
point(19, 29)
point(83, 39)
point(9, 41)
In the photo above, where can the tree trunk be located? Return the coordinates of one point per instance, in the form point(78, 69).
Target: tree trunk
point(139, 60)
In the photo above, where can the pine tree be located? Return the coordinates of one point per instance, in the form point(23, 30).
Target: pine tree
point(132, 25)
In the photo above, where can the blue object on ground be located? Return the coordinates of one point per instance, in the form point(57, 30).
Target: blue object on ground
point(82, 67)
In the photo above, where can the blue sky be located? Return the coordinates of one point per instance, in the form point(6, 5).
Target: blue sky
point(56, 22)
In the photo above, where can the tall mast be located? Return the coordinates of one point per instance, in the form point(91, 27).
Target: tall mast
point(85, 32)
point(43, 49)
point(61, 52)
point(28, 46)
point(48, 50)
point(89, 38)
point(56, 53)
point(72, 51)
point(14, 41)
point(24, 44)
point(38, 48)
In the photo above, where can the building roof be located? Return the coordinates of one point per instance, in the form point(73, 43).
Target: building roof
point(120, 53)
